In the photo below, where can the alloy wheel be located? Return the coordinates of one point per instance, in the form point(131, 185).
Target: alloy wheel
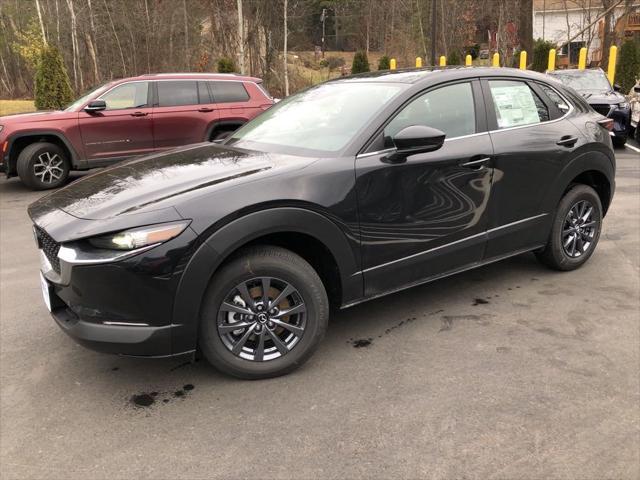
point(49, 167)
point(262, 319)
point(579, 229)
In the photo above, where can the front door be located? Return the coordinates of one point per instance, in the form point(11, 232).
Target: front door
point(428, 215)
point(123, 129)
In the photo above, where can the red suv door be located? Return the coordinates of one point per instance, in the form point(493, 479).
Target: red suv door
point(182, 113)
point(124, 128)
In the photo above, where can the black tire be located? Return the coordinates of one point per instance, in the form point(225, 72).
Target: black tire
point(619, 141)
point(30, 162)
point(554, 254)
point(254, 262)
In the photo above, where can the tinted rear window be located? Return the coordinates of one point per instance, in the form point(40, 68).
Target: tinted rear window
point(174, 93)
point(226, 92)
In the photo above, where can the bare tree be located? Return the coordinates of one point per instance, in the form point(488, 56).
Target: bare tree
point(284, 50)
point(241, 38)
point(44, 34)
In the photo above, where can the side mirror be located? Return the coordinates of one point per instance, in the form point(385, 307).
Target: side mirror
point(616, 87)
point(415, 139)
point(95, 106)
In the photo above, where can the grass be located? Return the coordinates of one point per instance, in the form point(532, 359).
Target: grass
point(7, 107)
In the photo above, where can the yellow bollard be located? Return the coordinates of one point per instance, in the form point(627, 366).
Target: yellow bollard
point(468, 61)
point(495, 61)
point(392, 64)
point(443, 61)
point(611, 71)
point(523, 60)
point(582, 60)
point(552, 59)
point(418, 62)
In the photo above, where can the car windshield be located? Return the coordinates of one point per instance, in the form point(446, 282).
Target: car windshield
point(83, 99)
point(584, 80)
point(319, 121)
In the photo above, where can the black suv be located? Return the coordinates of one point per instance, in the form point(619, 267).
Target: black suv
point(352, 189)
point(605, 99)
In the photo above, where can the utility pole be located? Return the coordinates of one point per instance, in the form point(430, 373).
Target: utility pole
point(323, 17)
point(433, 32)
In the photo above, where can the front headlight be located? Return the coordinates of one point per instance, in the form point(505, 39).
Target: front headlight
point(139, 237)
point(623, 105)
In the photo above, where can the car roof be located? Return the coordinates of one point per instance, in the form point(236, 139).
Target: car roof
point(437, 74)
point(574, 71)
point(192, 76)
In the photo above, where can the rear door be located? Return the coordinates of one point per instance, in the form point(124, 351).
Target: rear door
point(124, 129)
point(427, 215)
point(182, 113)
point(232, 101)
point(533, 139)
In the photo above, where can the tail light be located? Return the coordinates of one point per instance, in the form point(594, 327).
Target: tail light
point(607, 123)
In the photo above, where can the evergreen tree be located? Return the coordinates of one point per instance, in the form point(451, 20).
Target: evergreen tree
point(628, 68)
point(52, 86)
point(541, 55)
point(225, 65)
point(384, 63)
point(360, 63)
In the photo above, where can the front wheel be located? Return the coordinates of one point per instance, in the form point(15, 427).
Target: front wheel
point(264, 314)
point(42, 166)
point(575, 231)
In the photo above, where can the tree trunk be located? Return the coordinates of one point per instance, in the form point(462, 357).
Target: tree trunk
point(77, 68)
point(525, 26)
point(94, 58)
point(115, 34)
point(186, 34)
point(241, 37)
point(284, 54)
point(44, 35)
point(607, 39)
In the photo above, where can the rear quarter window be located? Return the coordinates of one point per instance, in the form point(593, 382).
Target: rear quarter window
point(228, 92)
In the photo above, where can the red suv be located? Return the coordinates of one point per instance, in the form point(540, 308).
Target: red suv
point(126, 118)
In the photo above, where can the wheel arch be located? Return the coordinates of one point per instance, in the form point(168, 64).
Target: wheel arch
point(223, 126)
point(20, 141)
point(592, 168)
point(310, 234)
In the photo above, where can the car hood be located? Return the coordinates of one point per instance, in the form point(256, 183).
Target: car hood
point(161, 181)
point(606, 98)
point(21, 118)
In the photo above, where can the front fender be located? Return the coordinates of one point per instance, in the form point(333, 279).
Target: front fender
point(227, 239)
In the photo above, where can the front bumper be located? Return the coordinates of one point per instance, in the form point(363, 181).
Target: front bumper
point(123, 307)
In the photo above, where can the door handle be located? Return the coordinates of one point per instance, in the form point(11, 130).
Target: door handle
point(567, 141)
point(205, 109)
point(139, 114)
point(475, 162)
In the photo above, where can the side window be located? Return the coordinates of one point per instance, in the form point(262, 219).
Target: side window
point(227, 92)
point(557, 100)
point(177, 92)
point(516, 104)
point(127, 95)
point(203, 93)
point(449, 109)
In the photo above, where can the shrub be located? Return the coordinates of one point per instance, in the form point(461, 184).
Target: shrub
point(454, 58)
point(384, 63)
point(52, 86)
point(226, 65)
point(360, 63)
point(628, 68)
point(540, 59)
point(473, 50)
point(332, 62)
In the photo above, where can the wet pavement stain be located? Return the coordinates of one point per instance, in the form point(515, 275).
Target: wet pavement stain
point(142, 400)
point(146, 400)
point(362, 342)
point(479, 301)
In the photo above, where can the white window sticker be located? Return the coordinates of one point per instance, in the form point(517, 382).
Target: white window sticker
point(514, 105)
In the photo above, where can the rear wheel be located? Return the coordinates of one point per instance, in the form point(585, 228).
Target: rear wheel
point(264, 314)
point(43, 165)
point(575, 231)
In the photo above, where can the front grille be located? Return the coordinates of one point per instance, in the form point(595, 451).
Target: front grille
point(49, 247)
point(602, 109)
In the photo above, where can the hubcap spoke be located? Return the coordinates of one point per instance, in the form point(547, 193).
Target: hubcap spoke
point(284, 294)
point(297, 309)
point(229, 307)
point(282, 348)
point(266, 285)
point(579, 229)
point(232, 327)
point(238, 346)
point(244, 293)
point(288, 326)
point(258, 356)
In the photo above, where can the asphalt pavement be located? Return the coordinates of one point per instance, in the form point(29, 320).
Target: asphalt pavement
point(509, 371)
